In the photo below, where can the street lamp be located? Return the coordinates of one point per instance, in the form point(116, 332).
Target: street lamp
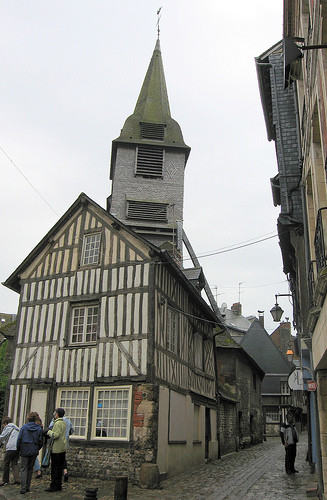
point(276, 311)
point(290, 355)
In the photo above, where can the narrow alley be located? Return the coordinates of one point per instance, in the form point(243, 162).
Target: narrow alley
point(255, 473)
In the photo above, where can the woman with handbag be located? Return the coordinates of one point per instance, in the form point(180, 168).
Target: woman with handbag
point(58, 452)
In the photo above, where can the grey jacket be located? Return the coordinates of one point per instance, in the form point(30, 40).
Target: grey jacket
point(288, 434)
point(9, 435)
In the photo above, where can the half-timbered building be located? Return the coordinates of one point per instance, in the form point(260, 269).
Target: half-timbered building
point(110, 329)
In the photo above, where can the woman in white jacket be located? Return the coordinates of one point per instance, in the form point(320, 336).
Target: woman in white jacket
point(8, 438)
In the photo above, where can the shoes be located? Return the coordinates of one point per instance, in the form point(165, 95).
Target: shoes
point(39, 474)
point(3, 483)
point(15, 482)
point(288, 472)
point(295, 471)
point(52, 489)
point(65, 477)
point(22, 492)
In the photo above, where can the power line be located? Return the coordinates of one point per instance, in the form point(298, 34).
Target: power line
point(227, 249)
point(26, 179)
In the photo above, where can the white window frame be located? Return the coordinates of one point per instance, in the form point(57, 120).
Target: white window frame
point(83, 327)
point(272, 416)
point(91, 249)
point(172, 342)
point(111, 413)
point(77, 413)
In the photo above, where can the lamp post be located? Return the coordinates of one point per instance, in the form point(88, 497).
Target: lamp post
point(276, 311)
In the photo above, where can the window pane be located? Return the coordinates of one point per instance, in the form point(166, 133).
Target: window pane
point(76, 404)
point(84, 324)
point(91, 249)
point(109, 422)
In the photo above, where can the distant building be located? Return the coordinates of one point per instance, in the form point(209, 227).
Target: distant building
point(251, 335)
point(239, 388)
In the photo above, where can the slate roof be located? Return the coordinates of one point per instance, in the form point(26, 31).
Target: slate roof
point(262, 349)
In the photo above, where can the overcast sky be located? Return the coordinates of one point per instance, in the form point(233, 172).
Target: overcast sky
point(71, 74)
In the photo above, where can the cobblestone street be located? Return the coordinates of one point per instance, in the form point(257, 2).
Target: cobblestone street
point(255, 473)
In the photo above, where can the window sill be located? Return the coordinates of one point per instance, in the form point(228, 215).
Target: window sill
point(80, 346)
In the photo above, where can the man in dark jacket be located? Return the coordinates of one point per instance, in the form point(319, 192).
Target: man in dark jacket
point(29, 442)
point(289, 437)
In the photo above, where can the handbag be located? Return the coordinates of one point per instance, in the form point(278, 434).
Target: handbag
point(46, 458)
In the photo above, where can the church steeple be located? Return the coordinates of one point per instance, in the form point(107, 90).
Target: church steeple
point(148, 161)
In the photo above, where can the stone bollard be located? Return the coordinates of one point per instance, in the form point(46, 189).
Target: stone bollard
point(91, 493)
point(149, 476)
point(121, 488)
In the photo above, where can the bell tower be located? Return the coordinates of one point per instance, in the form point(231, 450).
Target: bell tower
point(148, 160)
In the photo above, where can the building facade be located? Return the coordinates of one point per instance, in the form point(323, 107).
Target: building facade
point(292, 82)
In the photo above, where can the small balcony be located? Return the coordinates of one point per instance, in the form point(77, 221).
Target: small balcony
point(320, 241)
point(312, 279)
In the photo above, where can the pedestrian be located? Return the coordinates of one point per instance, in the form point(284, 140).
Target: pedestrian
point(58, 452)
point(29, 442)
point(289, 437)
point(37, 467)
point(8, 438)
point(69, 431)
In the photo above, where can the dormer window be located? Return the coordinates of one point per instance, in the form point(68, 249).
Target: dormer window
point(91, 249)
point(149, 161)
point(155, 131)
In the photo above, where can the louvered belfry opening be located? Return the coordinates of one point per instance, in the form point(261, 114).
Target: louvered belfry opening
point(155, 131)
point(149, 161)
point(147, 210)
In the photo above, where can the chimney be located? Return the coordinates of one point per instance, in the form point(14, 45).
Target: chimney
point(237, 308)
point(261, 315)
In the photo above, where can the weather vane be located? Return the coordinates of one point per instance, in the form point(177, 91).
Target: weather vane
point(158, 21)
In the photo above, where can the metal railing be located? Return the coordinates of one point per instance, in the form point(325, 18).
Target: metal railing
point(319, 242)
point(312, 277)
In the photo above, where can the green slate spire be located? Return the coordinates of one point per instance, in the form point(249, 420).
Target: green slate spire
point(152, 107)
point(152, 104)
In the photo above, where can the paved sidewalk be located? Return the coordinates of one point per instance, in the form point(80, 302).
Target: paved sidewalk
point(255, 473)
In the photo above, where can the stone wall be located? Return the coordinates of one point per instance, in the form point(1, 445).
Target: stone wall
point(227, 427)
point(108, 459)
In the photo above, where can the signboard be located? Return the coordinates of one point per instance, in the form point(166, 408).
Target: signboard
point(295, 380)
point(311, 385)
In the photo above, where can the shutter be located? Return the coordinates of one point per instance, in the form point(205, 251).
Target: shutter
point(155, 131)
point(147, 210)
point(149, 161)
